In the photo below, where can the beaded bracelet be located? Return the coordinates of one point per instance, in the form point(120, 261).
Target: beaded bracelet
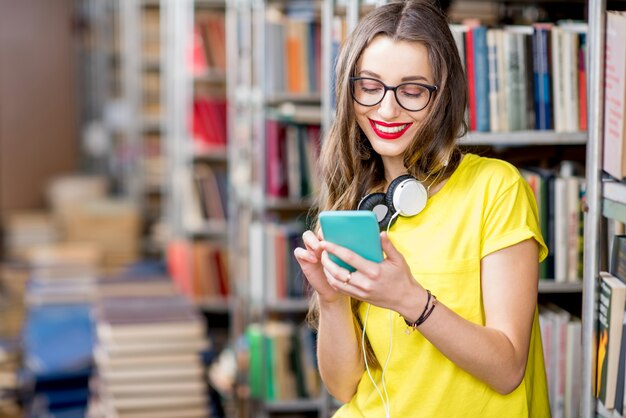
point(425, 313)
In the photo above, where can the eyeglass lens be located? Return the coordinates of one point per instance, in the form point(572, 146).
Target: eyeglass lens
point(411, 96)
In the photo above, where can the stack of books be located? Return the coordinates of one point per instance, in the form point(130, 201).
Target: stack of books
point(24, 229)
point(57, 340)
point(148, 352)
point(58, 335)
point(85, 213)
point(62, 273)
point(9, 364)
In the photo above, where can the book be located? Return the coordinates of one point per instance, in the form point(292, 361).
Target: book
point(617, 263)
point(494, 82)
point(58, 339)
point(558, 96)
point(610, 320)
point(514, 56)
point(481, 77)
point(470, 69)
point(146, 319)
point(555, 340)
point(573, 370)
point(614, 161)
point(617, 267)
point(542, 77)
point(620, 387)
point(545, 195)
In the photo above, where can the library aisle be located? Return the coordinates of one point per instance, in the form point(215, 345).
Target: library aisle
point(158, 165)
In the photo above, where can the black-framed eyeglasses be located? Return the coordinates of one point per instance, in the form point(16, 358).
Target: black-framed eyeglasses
point(410, 96)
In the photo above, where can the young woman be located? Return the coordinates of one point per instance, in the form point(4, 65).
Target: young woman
point(446, 325)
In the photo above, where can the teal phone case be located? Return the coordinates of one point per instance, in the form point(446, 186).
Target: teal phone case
point(354, 229)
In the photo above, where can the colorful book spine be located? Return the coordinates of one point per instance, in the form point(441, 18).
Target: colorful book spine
point(542, 78)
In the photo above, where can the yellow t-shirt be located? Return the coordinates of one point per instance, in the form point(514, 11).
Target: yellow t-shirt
point(485, 206)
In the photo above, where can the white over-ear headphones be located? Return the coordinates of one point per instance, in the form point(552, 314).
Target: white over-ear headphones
point(405, 196)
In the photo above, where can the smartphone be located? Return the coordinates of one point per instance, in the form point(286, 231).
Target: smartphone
point(356, 230)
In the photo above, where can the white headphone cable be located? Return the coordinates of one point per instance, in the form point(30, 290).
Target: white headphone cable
point(394, 216)
point(385, 402)
point(382, 377)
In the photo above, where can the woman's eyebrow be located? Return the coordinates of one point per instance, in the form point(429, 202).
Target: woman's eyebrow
point(403, 79)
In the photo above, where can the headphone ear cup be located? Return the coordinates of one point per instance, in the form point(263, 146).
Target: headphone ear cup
point(376, 202)
point(407, 196)
point(392, 188)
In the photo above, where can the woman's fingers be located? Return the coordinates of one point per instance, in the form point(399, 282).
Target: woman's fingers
point(336, 274)
point(367, 267)
point(304, 255)
point(311, 241)
point(388, 248)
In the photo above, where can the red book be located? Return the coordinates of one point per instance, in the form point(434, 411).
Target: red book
point(178, 256)
point(276, 171)
point(469, 68)
point(582, 89)
point(222, 275)
point(198, 58)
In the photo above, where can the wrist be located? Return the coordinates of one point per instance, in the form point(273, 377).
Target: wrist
point(335, 305)
point(413, 305)
point(429, 307)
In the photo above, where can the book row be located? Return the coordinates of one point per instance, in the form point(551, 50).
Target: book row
point(559, 193)
point(199, 269)
point(274, 272)
point(610, 385)
point(282, 361)
point(292, 50)
point(525, 77)
point(292, 151)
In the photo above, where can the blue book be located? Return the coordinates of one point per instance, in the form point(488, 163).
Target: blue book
point(541, 76)
point(58, 339)
point(481, 78)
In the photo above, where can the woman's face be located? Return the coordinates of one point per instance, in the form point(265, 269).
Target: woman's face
point(388, 126)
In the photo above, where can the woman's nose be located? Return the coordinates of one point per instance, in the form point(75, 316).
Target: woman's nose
point(389, 108)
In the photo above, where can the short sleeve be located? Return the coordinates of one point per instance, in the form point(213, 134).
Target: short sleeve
point(510, 218)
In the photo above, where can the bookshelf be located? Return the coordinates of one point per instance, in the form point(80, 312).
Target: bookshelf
point(606, 203)
point(194, 85)
point(197, 209)
point(274, 123)
point(141, 158)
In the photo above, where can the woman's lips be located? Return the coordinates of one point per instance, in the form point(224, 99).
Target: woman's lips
point(389, 131)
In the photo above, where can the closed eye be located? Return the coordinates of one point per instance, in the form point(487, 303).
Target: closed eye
point(372, 90)
point(412, 91)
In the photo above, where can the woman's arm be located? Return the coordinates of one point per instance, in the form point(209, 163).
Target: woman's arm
point(339, 357)
point(495, 353)
point(338, 350)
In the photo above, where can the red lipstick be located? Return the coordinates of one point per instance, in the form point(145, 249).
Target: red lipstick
point(387, 135)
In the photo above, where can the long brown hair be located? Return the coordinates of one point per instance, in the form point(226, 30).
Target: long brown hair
point(349, 167)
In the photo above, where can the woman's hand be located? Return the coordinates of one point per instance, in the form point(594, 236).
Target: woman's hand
point(309, 259)
point(382, 284)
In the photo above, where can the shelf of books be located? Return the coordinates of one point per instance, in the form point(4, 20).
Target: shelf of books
point(198, 207)
point(144, 156)
point(604, 339)
point(276, 130)
point(195, 68)
point(610, 273)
